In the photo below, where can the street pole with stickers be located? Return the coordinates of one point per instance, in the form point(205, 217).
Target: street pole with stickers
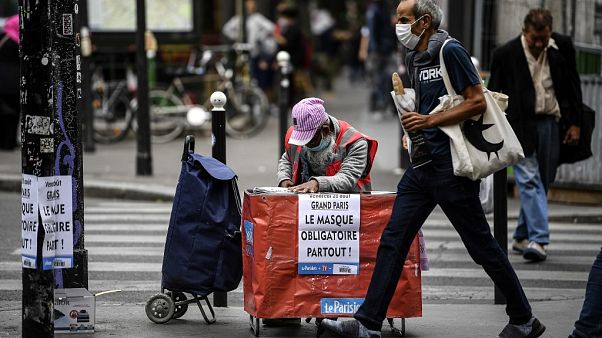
point(53, 254)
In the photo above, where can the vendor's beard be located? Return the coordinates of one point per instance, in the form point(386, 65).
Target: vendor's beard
point(318, 160)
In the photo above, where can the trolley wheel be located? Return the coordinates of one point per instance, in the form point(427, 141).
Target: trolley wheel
point(160, 308)
point(254, 323)
point(177, 297)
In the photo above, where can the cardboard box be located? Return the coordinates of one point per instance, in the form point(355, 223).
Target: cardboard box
point(74, 311)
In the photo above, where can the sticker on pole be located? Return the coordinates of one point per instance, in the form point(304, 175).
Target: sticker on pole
point(29, 221)
point(329, 227)
point(55, 199)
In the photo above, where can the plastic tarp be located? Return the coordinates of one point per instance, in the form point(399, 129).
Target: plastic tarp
point(272, 287)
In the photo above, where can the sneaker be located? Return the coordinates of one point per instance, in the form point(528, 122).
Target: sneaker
point(532, 329)
point(535, 252)
point(519, 246)
point(349, 328)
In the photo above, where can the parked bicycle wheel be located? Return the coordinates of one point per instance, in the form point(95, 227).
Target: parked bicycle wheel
point(112, 119)
point(249, 112)
point(165, 116)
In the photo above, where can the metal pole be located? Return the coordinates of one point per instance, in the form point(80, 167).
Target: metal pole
point(86, 70)
point(36, 79)
point(283, 59)
point(144, 163)
point(218, 152)
point(500, 219)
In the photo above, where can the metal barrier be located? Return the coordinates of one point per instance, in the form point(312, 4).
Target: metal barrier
point(587, 173)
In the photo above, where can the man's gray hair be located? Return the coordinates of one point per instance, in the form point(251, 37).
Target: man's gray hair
point(430, 7)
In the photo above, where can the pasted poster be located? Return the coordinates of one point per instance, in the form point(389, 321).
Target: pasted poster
point(29, 220)
point(55, 200)
point(329, 227)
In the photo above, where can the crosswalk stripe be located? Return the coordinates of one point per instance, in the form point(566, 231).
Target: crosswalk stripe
point(439, 272)
point(146, 210)
point(125, 239)
point(585, 238)
point(539, 275)
point(125, 227)
point(130, 217)
point(557, 248)
point(445, 257)
point(104, 285)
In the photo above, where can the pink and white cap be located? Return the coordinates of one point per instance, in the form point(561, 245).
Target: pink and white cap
point(308, 116)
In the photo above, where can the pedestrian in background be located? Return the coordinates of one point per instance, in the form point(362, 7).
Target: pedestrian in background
point(537, 70)
point(381, 45)
point(9, 84)
point(290, 38)
point(420, 189)
point(263, 46)
point(589, 324)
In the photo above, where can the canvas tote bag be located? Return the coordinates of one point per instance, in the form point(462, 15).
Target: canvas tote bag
point(484, 143)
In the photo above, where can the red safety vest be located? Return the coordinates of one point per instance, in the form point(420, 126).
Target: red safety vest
point(347, 136)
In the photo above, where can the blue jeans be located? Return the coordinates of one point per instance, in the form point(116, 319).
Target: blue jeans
point(548, 149)
point(418, 192)
point(533, 216)
point(589, 324)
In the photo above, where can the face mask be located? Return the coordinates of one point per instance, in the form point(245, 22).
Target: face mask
point(324, 142)
point(405, 35)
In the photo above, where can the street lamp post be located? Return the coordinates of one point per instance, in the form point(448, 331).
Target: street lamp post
point(144, 162)
point(283, 58)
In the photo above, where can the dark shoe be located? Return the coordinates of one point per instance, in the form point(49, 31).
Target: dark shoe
point(275, 322)
point(349, 328)
point(533, 330)
point(535, 252)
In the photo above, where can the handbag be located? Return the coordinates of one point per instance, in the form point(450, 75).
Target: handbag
point(583, 150)
point(482, 144)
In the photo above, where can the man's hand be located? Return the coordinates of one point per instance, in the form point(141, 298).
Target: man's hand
point(404, 141)
point(572, 135)
point(413, 121)
point(286, 184)
point(310, 186)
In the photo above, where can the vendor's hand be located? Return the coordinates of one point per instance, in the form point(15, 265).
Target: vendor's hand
point(310, 186)
point(404, 141)
point(572, 135)
point(286, 184)
point(413, 121)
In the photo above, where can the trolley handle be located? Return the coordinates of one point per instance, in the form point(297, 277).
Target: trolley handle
point(188, 147)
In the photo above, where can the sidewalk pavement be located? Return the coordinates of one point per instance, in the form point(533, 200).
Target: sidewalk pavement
point(110, 173)
point(438, 320)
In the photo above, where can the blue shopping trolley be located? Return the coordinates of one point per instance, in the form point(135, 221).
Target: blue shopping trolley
point(203, 247)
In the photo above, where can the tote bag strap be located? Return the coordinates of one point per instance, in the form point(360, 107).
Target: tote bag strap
point(444, 74)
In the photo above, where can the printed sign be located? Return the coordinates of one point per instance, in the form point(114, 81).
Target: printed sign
point(55, 200)
point(248, 226)
point(29, 221)
point(329, 234)
point(340, 306)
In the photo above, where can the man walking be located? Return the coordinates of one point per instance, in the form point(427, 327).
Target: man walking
point(537, 71)
point(420, 189)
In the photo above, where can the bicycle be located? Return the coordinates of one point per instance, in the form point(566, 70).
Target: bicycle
point(113, 114)
point(174, 108)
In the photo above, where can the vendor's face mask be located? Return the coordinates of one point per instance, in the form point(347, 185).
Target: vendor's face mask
point(405, 35)
point(324, 142)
